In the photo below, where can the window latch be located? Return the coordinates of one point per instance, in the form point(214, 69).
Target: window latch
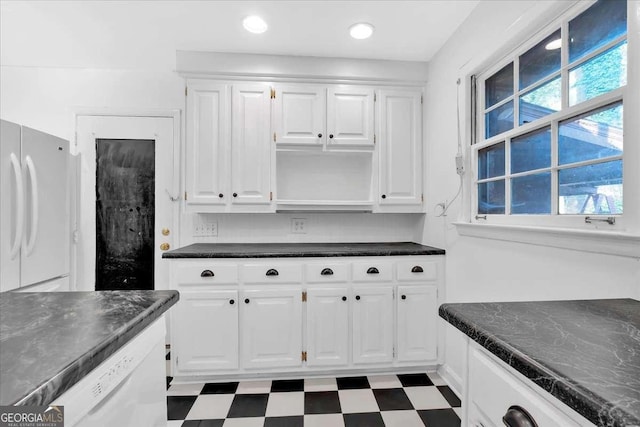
point(609, 220)
point(481, 217)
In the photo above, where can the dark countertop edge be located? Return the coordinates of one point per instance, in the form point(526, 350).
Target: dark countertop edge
point(299, 255)
point(98, 354)
point(417, 250)
point(575, 396)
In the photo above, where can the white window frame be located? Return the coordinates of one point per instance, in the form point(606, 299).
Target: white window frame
point(567, 112)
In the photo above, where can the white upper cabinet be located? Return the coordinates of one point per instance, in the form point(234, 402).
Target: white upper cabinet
point(250, 144)
point(350, 116)
point(228, 152)
point(300, 115)
point(207, 143)
point(400, 153)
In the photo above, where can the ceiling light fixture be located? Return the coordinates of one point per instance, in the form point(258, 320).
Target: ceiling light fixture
point(254, 24)
point(361, 30)
point(554, 44)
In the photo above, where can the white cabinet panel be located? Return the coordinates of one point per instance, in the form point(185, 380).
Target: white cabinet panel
point(417, 327)
point(271, 328)
point(373, 324)
point(417, 271)
point(372, 271)
point(250, 144)
point(350, 116)
point(400, 121)
point(327, 327)
point(201, 344)
point(207, 273)
point(492, 390)
point(299, 114)
point(207, 143)
point(327, 272)
point(272, 272)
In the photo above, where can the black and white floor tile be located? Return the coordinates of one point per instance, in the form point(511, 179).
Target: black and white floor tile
point(367, 401)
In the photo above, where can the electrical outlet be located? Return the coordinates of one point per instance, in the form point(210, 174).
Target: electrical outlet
point(299, 225)
point(204, 227)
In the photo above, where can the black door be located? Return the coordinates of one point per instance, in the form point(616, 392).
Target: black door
point(125, 206)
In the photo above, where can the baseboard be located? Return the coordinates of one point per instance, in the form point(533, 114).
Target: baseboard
point(452, 379)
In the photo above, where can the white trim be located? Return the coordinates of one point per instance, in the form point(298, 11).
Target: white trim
point(254, 67)
point(595, 241)
point(452, 379)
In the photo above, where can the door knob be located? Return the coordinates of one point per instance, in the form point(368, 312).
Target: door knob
point(164, 246)
point(165, 231)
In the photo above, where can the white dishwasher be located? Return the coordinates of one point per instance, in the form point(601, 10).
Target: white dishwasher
point(127, 389)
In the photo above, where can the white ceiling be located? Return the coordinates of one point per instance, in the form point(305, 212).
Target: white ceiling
point(146, 34)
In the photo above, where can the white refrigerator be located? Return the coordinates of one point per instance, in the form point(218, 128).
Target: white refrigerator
point(34, 209)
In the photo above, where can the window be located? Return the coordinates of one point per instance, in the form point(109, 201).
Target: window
point(551, 122)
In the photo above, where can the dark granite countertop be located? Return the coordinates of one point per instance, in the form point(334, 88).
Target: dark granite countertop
point(586, 353)
point(51, 340)
point(292, 250)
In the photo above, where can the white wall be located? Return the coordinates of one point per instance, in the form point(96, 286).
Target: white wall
point(492, 270)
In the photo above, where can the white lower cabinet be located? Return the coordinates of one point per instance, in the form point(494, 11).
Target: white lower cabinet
point(373, 324)
point(495, 389)
point(247, 318)
point(417, 308)
point(271, 328)
point(328, 327)
point(216, 348)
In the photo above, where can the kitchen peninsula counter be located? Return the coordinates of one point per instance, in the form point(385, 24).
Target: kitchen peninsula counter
point(586, 353)
point(51, 340)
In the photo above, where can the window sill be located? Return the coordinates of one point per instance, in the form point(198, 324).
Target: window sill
point(602, 242)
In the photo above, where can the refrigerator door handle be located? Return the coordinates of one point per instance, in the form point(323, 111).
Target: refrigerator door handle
point(17, 171)
point(31, 168)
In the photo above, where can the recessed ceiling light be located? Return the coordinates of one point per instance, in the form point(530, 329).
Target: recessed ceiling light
point(361, 30)
point(554, 44)
point(254, 24)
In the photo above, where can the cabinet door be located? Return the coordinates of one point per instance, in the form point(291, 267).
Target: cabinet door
point(208, 108)
point(372, 324)
point(205, 331)
point(271, 328)
point(250, 144)
point(327, 327)
point(299, 115)
point(349, 116)
point(400, 121)
point(417, 328)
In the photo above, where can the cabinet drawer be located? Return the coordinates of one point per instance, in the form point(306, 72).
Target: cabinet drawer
point(418, 270)
point(326, 273)
point(493, 390)
point(374, 271)
point(271, 273)
point(207, 273)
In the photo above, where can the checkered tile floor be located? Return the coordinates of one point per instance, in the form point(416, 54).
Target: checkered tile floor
point(371, 401)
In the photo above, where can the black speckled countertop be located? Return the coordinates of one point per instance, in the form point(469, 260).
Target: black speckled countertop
point(51, 340)
point(292, 250)
point(586, 353)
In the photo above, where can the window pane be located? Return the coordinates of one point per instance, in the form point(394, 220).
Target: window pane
point(540, 61)
point(491, 161)
point(593, 189)
point(531, 194)
point(539, 102)
point(499, 120)
point(602, 74)
point(499, 86)
point(596, 26)
point(491, 197)
point(592, 136)
point(531, 151)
